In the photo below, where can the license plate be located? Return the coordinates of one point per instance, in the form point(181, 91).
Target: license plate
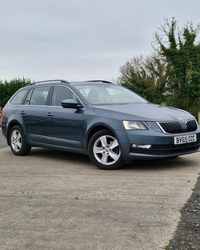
point(185, 139)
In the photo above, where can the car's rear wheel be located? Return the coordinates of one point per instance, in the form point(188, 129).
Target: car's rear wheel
point(104, 150)
point(18, 143)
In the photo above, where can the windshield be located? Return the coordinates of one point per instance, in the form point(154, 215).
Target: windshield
point(108, 94)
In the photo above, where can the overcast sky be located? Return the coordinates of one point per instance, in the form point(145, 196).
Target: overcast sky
point(81, 39)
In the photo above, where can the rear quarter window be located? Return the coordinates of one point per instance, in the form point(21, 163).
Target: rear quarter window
point(18, 98)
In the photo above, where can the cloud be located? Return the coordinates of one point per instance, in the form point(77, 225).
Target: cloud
point(79, 39)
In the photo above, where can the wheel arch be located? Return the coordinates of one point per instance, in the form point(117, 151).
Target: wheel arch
point(10, 126)
point(97, 128)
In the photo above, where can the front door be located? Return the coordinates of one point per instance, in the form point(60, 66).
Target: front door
point(64, 125)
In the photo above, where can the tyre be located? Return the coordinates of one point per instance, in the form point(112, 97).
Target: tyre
point(17, 141)
point(104, 150)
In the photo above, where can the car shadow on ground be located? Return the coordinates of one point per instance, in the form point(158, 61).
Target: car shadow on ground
point(59, 155)
point(139, 165)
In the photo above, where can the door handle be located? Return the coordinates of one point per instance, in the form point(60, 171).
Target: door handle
point(23, 112)
point(49, 114)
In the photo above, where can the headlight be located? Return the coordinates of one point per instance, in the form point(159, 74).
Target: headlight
point(133, 125)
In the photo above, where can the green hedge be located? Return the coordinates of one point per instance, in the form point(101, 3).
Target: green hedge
point(7, 89)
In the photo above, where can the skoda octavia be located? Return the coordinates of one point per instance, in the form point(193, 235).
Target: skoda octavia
point(108, 122)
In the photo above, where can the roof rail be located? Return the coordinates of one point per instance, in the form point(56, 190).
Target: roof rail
point(103, 81)
point(58, 80)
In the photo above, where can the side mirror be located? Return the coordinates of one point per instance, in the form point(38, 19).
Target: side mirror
point(70, 103)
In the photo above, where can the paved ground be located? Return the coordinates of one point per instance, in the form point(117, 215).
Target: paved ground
point(57, 200)
point(3, 143)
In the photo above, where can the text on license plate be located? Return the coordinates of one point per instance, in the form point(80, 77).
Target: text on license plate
point(185, 139)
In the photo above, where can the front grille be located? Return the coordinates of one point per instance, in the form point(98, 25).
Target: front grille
point(191, 125)
point(171, 127)
point(176, 127)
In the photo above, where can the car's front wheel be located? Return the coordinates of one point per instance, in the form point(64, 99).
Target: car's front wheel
point(18, 144)
point(104, 150)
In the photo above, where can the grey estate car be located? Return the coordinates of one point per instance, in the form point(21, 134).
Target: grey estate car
point(108, 122)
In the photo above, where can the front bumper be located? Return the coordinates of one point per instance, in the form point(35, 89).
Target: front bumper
point(162, 145)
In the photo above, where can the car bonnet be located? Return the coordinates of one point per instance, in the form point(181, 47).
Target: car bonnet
point(142, 112)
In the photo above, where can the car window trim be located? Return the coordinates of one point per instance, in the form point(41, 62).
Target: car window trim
point(24, 99)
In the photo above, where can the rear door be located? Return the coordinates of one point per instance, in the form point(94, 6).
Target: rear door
point(34, 114)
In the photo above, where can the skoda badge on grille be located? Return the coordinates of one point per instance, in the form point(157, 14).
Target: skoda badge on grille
point(180, 119)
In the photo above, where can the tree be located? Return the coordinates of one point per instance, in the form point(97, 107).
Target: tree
point(182, 57)
point(145, 76)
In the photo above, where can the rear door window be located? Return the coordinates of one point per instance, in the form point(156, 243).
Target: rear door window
point(39, 96)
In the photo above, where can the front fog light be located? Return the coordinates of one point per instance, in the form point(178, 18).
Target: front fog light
point(141, 146)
